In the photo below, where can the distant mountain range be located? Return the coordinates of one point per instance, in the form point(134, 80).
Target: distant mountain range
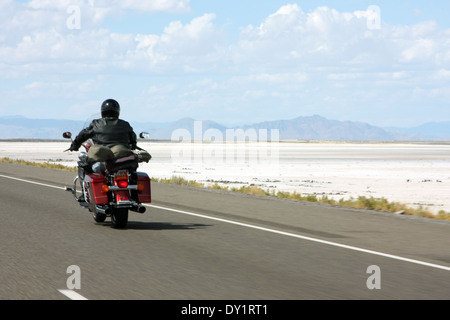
point(301, 128)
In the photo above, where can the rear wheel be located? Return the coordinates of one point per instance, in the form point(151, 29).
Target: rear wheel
point(119, 218)
point(99, 217)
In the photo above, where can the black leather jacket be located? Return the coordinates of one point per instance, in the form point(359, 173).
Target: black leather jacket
point(108, 132)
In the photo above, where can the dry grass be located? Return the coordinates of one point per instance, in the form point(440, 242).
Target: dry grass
point(181, 182)
point(39, 164)
point(377, 204)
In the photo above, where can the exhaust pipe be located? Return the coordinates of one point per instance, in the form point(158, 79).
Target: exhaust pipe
point(138, 209)
point(106, 210)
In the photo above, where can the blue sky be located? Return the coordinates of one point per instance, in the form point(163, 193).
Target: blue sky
point(386, 63)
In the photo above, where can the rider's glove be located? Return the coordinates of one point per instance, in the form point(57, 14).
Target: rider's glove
point(73, 147)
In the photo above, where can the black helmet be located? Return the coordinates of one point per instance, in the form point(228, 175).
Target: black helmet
point(110, 109)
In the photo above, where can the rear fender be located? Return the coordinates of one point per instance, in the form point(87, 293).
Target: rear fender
point(122, 196)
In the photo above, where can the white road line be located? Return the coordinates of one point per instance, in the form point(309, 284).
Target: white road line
point(33, 182)
point(306, 238)
point(335, 244)
point(72, 295)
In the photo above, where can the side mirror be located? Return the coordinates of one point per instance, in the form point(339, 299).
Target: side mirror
point(67, 135)
point(144, 135)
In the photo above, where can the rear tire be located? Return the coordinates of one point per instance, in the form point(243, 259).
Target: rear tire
point(99, 217)
point(119, 218)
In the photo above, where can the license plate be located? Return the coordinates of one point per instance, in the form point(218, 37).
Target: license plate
point(121, 175)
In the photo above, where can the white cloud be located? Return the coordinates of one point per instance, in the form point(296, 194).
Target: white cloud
point(442, 74)
point(291, 37)
point(52, 5)
point(57, 89)
point(194, 38)
point(421, 49)
point(325, 41)
point(288, 40)
point(152, 6)
point(139, 5)
point(192, 46)
point(272, 78)
point(98, 49)
point(184, 47)
point(290, 56)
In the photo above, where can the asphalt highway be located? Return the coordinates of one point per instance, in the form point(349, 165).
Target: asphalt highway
point(195, 244)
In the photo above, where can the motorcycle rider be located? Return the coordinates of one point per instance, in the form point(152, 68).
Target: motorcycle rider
point(112, 155)
point(108, 131)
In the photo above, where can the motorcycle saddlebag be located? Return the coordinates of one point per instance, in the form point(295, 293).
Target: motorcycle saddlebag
point(144, 196)
point(84, 168)
point(95, 183)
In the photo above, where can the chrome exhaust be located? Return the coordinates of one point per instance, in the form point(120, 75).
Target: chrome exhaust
point(138, 209)
point(104, 210)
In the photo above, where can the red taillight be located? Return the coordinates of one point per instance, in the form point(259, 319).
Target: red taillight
point(122, 184)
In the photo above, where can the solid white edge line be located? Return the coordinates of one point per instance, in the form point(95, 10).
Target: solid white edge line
point(386, 255)
point(33, 182)
point(72, 295)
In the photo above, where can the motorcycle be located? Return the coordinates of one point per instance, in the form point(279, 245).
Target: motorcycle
point(111, 188)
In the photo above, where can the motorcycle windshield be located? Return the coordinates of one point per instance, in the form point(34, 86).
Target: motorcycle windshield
point(86, 125)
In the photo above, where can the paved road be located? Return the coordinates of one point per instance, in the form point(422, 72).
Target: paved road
point(197, 244)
